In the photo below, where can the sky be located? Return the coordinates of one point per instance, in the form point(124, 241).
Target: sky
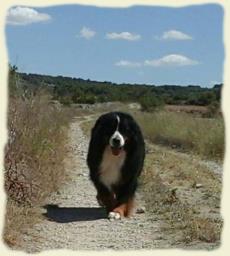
point(142, 45)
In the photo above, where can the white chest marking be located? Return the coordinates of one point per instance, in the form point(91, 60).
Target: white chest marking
point(110, 169)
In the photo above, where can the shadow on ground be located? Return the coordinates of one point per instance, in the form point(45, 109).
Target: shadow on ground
point(71, 214)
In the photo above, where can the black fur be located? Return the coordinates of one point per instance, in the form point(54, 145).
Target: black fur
point(135, 154)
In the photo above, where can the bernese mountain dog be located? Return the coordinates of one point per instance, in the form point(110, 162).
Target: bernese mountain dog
point(115, 159)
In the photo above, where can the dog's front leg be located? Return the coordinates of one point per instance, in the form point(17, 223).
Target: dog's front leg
point(125, 201)
point(106, 199)
point(123, 209)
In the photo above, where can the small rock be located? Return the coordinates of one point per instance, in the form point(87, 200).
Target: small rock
point(198, 185)
point(160, 238)
point(141, 210)
point(83, 174)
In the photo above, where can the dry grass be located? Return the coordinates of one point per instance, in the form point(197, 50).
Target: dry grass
point(180, 130)
point(87, 126)
point(191, 214)
point(187, 108)
point(17, 221)
point(34, 159)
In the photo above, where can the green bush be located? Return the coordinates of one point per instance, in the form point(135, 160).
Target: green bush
point(213, 109)
point(150, 103)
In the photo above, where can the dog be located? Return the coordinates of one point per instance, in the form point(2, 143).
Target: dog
point(115, 159)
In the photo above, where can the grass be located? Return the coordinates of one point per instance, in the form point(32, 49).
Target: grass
point(191, 214)
point(87, 126)
point(34, 159)
point(202, 136)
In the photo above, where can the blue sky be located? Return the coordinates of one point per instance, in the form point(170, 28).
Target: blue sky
point(152, 45)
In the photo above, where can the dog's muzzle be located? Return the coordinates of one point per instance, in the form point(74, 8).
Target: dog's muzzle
point(116, 143)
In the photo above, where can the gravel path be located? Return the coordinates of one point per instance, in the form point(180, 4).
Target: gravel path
point(75, 221)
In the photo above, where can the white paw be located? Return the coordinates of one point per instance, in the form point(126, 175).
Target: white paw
point(114, 216)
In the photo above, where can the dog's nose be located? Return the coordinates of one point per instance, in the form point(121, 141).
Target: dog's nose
point(116, 142)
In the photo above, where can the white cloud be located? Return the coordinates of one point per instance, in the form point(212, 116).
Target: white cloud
point(123, 36)
point(129, 64)
point(171, 60)
point(87, 33)
point(24, 16)
point(174, 35)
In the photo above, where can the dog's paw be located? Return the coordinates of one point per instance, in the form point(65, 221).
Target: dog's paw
point(114, 216)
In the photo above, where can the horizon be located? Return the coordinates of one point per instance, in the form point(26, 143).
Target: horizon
point(123, 83)
point(185, 48)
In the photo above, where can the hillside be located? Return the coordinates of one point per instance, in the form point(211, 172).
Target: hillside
point(76, 90)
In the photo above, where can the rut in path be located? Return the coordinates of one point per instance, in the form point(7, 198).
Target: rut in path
point(75, 221)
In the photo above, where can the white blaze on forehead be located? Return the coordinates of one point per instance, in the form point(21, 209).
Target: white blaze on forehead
point(118, 122)
point(117, 134)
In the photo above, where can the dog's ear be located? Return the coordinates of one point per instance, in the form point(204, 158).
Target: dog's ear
point(98, 126)
point(135, 132)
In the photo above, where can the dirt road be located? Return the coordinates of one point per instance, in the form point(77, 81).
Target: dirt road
point(73, 219)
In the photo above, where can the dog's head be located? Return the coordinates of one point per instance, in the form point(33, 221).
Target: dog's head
point(115, 130)
point(117, 139)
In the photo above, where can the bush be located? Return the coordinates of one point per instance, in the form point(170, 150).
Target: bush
point(150, 103)
point(35, 149)
point(206, 98)
point(213, 109)
point(89, 99)
point(67, 101)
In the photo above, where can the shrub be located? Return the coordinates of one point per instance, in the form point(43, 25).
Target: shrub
point(150, 103)
point(213, 109)
point(34, 152)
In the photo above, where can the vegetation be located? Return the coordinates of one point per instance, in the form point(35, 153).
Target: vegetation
point(170, 182)
point(34, 154)
point(185, 132)
point(40, 108)
point(75, 90)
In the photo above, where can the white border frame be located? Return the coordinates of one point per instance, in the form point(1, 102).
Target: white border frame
point(224, 249)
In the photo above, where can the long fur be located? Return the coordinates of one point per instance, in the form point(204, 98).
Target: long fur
point(119, 195)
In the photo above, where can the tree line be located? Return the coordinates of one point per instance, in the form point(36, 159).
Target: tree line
point(69, 90)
